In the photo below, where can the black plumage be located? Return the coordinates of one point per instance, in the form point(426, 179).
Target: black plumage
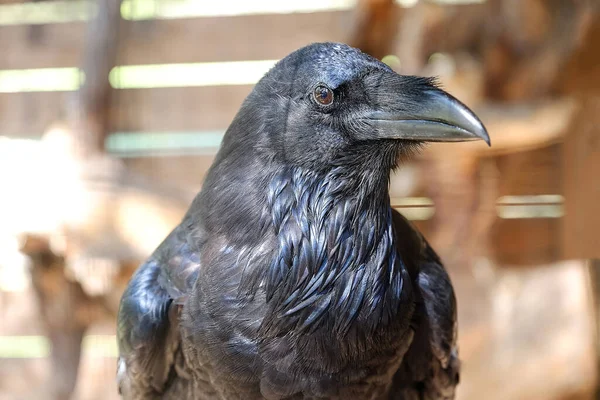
point(291, 276)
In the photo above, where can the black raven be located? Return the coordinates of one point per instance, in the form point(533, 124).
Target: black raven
point(291, 277)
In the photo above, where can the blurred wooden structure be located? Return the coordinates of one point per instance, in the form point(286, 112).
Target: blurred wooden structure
point(210, 108)
point(67, 312)
point(528, 67)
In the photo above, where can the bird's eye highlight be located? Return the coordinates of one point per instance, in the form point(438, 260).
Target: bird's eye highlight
point(323, 95)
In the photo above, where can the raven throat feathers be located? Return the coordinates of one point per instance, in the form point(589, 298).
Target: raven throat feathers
point(335, 256)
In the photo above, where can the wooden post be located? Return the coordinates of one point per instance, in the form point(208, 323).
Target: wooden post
point(89, 123)
point(375, 27)
point(90, 108)
point(581, 156)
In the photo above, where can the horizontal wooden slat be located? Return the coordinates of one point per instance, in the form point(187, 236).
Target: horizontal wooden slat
point(56, 45)
point(204, 108)
point(249, 37)
point(532, 172)
point(19, 1)
point(531, 241)
point(30, 114)
point(186, 172)
point(165, 109)
point(13, 1)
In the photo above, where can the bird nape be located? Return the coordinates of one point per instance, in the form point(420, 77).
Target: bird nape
point(291, 277)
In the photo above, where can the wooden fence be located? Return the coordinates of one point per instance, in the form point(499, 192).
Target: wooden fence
point(211, 108)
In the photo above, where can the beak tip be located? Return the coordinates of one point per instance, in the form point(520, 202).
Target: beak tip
point(457, 114)
point(483, 134)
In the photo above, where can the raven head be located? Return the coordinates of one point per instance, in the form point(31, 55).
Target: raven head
point(329, 104)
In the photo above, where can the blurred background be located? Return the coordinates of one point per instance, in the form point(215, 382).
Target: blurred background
point(111, 112)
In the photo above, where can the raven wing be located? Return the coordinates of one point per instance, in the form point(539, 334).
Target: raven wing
point(150, 360)
point(430, 368)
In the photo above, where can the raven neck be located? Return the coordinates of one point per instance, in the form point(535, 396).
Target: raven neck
point(336, 255)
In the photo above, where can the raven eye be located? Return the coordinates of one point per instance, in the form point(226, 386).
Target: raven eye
point(323, 95)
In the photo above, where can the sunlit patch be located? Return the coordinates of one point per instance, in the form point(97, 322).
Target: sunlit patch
point(392, 61)
point(530, 206)
point(144, 9)
point(64, 11)
point(532, 199)
point(24, 347)
point(414, 208)
point(417, 213)
point(411, 201)
point(46, 12)
point(530, 211)
point(457, 1)
point(443, 64)
point(14, 275)
point(40, 80)
point(104, 346)
point(193, 74)
point(139, 76)
point(136, 144)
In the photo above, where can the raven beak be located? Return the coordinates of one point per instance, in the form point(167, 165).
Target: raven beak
point(440, 118)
